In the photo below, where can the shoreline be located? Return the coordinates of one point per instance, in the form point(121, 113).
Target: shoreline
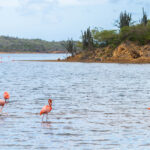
point(90, 61)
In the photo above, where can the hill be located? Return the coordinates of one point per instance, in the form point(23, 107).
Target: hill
point(11, 44)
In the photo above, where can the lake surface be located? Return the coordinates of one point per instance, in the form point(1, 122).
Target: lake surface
point(42, 56)
point(95, 106)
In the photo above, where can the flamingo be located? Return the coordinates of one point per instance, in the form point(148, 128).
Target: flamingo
point(46, 109)
point(2, 103)
point(6, 96)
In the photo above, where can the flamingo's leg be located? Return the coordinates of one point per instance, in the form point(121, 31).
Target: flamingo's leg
point(1, 108)
point(46, 116)
point(6, 100)
point(42, 117)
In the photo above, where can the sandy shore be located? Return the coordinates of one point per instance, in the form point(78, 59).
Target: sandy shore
point(140, 61)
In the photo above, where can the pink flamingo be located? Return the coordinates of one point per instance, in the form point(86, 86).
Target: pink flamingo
point(46, 109)
point(6, 96)
point(2, 103)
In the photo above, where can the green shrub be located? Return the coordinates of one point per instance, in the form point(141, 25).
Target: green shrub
point(110, 37)
point(138, 33)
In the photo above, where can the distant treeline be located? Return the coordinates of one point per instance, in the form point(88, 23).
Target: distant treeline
point(11, 44)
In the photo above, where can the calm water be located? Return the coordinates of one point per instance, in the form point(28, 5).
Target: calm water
point(11, 57)
point(95, 106)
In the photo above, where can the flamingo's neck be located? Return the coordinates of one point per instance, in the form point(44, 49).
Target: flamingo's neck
point(50, 104)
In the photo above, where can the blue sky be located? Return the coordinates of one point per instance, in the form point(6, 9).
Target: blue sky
point(63, 19)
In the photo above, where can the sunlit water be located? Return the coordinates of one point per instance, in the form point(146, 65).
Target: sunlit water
point(95, 106)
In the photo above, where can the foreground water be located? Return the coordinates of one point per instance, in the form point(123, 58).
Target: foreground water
point(95, 106)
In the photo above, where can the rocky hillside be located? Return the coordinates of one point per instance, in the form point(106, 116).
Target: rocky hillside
point(127, 52)
point(130, 50)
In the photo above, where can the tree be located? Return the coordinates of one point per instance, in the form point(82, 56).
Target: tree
point(105, 37)
point(69, 45)
point(144, 19)
point(125, 19)
point(87, 40)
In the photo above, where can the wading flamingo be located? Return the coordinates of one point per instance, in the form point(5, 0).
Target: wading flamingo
point(46, 109)
point(6, 96)
point(2, 103)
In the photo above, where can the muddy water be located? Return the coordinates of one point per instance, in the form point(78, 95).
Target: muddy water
point(95, 106)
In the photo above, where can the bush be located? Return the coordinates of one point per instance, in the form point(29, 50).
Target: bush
point(70, 46)
point(109, 37)
point(139, 33)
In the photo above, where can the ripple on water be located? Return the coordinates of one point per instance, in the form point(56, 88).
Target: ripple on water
point(95, 106)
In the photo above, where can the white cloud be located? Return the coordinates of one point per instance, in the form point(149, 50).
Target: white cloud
point(68, 2)
point(41, 4)
point(9, 3)
point(80, 2)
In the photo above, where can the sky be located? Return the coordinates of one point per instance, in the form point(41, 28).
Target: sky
point(62, 19)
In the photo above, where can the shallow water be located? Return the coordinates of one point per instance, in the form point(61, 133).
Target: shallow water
point(95, 106)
